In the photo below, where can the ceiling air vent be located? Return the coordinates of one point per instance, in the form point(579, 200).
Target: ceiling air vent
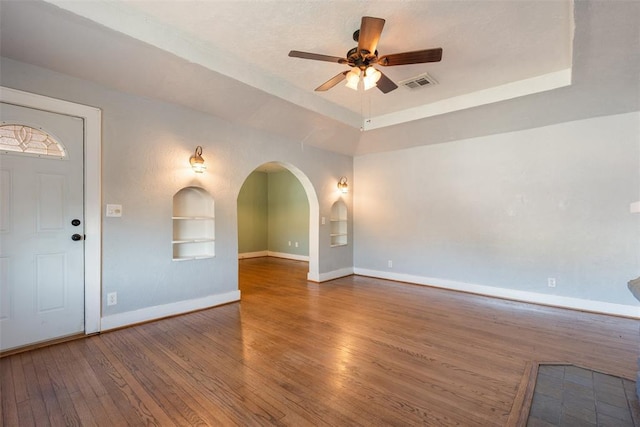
point(417, 82)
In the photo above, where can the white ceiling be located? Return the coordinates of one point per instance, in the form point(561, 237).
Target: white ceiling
point(506, 65)
point(486, 43)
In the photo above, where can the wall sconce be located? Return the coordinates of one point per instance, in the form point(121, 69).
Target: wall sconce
point(342, 185)
point(197, 162)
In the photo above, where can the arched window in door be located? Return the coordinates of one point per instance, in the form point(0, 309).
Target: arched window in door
point(22, 139)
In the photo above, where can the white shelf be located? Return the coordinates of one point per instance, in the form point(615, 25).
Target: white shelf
point(338, 218)
point(191, 258)
point(194, 225)
point(177, 242)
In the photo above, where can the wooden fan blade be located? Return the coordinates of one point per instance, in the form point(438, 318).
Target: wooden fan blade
point(317, 57)
point(385, 84)
point(370, 30)
point(331, 82)
point(415, 57)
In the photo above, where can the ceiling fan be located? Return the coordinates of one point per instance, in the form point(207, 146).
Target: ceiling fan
point(364, 56)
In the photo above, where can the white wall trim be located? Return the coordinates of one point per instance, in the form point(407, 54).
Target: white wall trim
point(335, 274)
point(258, 254)
point(147, 314)
point(92, 190)
point(510, 294)
point(545, 82)
point(288, 256)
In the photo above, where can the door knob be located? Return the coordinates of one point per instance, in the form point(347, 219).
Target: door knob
point(75, 222)
point(76, 237)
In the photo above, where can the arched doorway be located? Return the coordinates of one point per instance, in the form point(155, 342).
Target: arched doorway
point(312, 212)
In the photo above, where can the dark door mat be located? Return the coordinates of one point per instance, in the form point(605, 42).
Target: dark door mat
point(566, 395)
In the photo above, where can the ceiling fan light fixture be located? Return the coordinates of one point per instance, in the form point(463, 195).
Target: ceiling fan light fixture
point(368, 83)
point(371, 77)
point(353, 78)
point(352, 84)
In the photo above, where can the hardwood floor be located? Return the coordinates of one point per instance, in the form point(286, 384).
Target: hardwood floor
point(353, 351)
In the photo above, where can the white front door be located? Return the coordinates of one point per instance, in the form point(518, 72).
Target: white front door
point(41, 209)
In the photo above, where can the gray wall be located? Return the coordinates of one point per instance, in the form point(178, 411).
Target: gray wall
point(506, 211)
point(509, 210)
point(253, 214)
point(146, 148)
point(288, 214)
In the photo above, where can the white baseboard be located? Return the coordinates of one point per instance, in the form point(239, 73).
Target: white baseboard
point(335, 274)
point(159, 311)
point(510, 294)
point(285, 255)
point(258, 254)
point(288, 256)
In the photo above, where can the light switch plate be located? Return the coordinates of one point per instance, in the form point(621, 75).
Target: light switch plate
point(114, 210)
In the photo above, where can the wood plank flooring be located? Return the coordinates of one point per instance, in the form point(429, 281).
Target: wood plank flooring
point(350, 352)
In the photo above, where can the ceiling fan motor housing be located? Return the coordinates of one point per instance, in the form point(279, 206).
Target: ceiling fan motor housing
point(361, 59)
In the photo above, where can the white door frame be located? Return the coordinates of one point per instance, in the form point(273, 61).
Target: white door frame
point(92, 191)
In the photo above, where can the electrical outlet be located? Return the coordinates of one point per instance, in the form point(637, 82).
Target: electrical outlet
point(551, 282)
point(322, 220)
point(390, 264)
point(289, 242)
point(112, 298)
point(296, 244)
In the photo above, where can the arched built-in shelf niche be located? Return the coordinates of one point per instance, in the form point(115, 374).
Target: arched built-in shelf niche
point(193, 224)
point(338, 224)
